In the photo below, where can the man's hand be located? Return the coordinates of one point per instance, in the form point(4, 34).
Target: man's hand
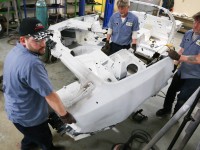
point(174, 55)
point(68, 118)
point(107, 45)
point(50, 44)
point(106, 48)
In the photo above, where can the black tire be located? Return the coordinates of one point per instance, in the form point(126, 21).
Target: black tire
point(2, 28)
point(52, 59)
point(1, 83)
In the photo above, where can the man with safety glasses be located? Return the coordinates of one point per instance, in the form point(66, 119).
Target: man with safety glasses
point(28, 90)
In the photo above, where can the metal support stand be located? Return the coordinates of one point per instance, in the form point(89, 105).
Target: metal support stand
point(8, 18)
point(190, 130)
point(187, 118)
point(188, 104)
point(16, 11)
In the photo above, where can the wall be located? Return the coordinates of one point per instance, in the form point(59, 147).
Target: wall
point(100, 8)
point(188, 7)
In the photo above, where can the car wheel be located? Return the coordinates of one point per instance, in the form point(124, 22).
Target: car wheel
point(2, 28)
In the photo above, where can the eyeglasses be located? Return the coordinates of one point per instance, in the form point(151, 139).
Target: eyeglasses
point(37, 41)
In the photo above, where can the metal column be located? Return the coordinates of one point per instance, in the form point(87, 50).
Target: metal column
point(81, 7)
point(108, 12)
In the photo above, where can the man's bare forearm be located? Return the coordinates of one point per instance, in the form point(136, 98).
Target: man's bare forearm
point(56, 104)
point(190, 59)
point(108, 37)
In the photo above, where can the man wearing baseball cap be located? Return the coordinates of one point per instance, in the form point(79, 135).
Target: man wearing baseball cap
point(187, 78)
point(28, 90)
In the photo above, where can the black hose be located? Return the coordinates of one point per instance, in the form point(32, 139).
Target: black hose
point(138, 135)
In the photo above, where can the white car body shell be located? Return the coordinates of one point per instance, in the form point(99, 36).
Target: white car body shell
point(107, 93)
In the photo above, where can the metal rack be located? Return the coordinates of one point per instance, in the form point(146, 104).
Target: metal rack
point(10, 4)
point(32, 7)
point(81, 4)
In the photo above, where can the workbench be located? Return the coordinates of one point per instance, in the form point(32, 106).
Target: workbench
point(187, 23)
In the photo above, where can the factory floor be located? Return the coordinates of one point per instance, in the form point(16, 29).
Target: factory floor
point(60, 75)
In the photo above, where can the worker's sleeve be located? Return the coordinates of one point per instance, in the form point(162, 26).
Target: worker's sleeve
point(38, 80)
point(109, 31)
point(110, 23)
point(135, 24)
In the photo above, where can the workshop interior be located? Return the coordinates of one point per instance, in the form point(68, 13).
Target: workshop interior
point(113, 97)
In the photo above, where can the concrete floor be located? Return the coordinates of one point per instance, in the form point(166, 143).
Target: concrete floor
point(60, 75)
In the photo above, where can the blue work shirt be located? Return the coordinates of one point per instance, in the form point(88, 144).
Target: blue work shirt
point(25, 84)
point(122, 31)
point(191, 47)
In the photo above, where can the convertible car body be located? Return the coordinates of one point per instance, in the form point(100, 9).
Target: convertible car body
point(110, 88)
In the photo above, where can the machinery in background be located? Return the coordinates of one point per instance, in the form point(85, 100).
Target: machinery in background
point(110, 88)
point(7, 9)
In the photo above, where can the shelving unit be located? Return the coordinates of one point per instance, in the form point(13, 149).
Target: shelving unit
point(11, 9)
point(69, 6)
point(73, 5)
point(95, 4)
point(31, 7)
point(6, 9)
point(187, 23)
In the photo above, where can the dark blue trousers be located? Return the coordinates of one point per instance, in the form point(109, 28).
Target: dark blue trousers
point(186, 87)
point(36, 136)
point(115, 47)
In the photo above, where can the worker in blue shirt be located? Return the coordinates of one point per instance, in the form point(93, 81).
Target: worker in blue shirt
point(122, 29)
point(27, 88)
point(187, 79)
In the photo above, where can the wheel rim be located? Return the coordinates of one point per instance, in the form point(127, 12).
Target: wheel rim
point(1, 28)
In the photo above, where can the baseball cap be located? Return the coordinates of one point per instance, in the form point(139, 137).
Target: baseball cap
point(33, 27)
